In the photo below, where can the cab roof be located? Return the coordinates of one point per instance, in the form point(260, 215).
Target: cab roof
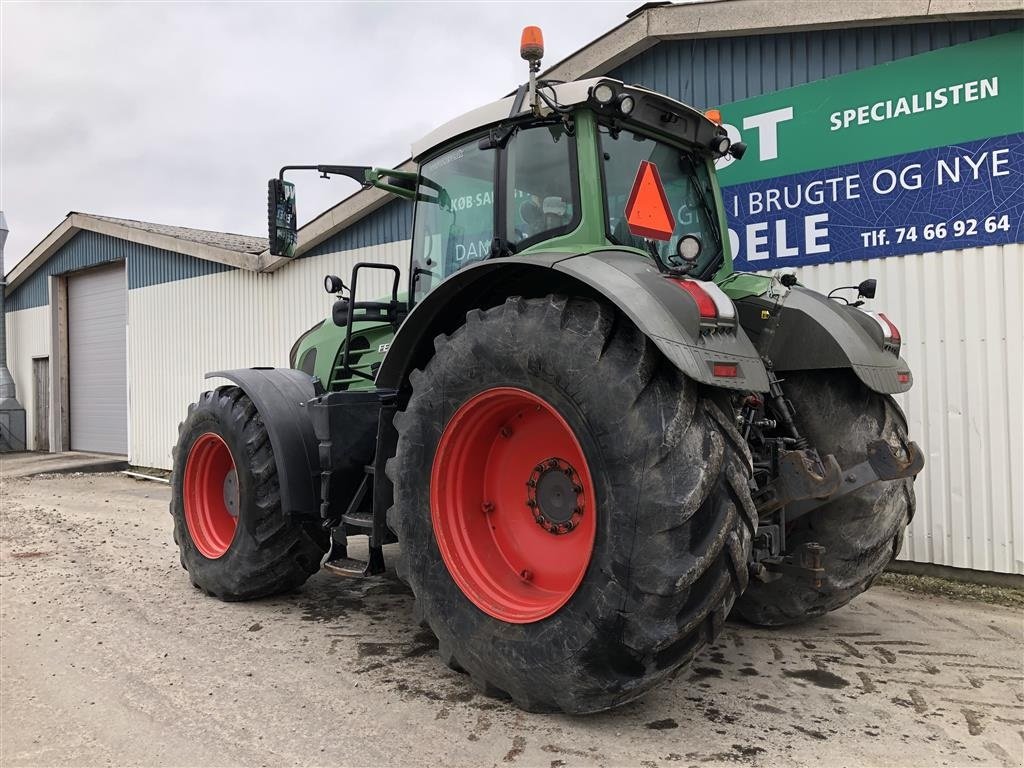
point(565, 94)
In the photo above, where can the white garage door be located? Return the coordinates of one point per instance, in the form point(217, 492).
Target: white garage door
point(97, 360)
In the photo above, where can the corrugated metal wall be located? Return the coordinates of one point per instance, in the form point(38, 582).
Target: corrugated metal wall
point(963, 335)
point(28, 336)
point(710, 72)
point(179, 330)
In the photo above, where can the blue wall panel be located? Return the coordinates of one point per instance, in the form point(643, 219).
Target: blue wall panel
point(152, 266)
point(385, 225)
point(709, 72)
point(146, 266)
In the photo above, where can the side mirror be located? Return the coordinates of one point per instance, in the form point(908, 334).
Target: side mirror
point(281, 219)
point(867, 288)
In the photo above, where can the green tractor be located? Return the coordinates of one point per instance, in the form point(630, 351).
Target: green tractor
point(591, 438)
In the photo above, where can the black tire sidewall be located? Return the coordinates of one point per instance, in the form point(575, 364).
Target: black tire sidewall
point(205, 419)
point(256, 562)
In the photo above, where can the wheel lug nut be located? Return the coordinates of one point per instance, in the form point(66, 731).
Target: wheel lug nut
point(505, 432)
point(487, 507)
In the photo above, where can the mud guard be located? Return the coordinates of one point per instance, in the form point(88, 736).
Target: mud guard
point(665, 313)
point(804, 330)
point(280, 395)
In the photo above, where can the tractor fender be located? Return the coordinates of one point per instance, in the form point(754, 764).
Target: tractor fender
point(665, 313)
point(805, 330)
point(280, 395)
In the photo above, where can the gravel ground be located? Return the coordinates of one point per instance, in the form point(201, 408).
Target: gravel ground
point(109, 656)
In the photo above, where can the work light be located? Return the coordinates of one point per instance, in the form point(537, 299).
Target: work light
point(603, 94)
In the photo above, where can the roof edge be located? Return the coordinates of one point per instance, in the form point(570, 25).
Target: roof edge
point(76, 222)
point(733, 18)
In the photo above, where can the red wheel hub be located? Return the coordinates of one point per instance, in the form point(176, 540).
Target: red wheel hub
point(512, 504)
point(211, 495)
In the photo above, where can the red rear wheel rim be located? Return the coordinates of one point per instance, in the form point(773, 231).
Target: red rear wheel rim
point(211, 495)
point(512, 504)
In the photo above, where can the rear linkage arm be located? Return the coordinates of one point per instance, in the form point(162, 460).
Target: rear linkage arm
point(804, 481)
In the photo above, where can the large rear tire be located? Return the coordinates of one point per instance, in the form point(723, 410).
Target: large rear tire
point(574, 515)
point(234, 540)
point(861, 532)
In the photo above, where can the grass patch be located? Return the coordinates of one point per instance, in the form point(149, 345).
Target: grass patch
point(1010, 597)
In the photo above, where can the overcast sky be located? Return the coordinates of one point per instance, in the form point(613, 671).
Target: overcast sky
point(178, 113)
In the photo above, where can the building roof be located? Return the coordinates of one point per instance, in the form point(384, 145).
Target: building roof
point(240, 251)
point(227, 240)
point(653, 23)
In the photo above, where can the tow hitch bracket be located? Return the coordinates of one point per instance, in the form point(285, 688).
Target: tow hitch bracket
point(884, 462)
point(802, 474)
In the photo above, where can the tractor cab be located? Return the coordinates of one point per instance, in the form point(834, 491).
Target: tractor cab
point(593, 165)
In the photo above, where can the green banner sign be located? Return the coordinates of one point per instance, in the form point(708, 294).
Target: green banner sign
point(958, 94)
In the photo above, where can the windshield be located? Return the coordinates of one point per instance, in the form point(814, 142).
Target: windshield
point(687, 185)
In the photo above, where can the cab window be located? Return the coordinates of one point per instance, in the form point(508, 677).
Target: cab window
point(687, 186)
point(540, 190)
point(453, 224)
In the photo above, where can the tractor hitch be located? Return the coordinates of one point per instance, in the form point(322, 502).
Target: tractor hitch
point(807, 562)
point(884, 462)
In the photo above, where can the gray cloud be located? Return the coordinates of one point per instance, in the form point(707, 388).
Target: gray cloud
point(178, 113)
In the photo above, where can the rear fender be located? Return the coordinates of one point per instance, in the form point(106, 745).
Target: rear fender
point(664, 312)
point(281, 396)
point(805, 330)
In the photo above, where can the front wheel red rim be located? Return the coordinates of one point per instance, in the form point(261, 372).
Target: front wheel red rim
point(210, 495)
point(512, 505)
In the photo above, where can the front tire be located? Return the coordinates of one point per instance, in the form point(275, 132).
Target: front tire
point(637, 540)
point(234, 539)
point(861, 532)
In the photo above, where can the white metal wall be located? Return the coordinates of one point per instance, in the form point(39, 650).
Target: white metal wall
point(960, 316)
point(178, 331)
point(28, 336)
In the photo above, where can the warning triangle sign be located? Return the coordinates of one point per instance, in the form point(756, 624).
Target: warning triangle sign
point(648, 213)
